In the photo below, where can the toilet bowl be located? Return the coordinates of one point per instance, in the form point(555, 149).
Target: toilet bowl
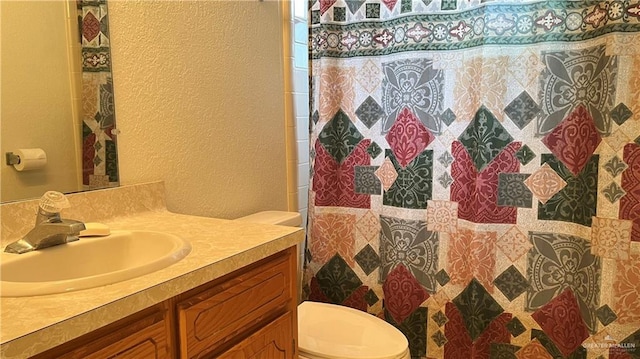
point(329, 331)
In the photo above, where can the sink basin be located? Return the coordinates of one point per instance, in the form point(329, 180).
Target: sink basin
point(89, 262)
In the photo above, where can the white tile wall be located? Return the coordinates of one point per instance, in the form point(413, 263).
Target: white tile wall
point(300, 80)
point(302, 128)
point(303, 174)
point(300, 9)
point(303, 153)
point(300, 58)
point(301, 103)
point(300, 62)
point(301, 32)
point(303, 195)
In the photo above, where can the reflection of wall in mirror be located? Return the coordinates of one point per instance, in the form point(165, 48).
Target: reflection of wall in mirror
point(41, 95)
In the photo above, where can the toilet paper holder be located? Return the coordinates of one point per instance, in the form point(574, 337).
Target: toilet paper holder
point(12, 159)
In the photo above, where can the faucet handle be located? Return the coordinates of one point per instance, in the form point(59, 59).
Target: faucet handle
point(53, 202)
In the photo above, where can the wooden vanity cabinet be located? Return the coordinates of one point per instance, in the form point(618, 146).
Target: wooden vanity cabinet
point(249, 313)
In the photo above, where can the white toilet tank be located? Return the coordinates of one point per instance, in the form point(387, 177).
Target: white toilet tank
point(292, 219)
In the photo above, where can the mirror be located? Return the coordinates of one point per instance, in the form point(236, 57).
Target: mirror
point(57, 95)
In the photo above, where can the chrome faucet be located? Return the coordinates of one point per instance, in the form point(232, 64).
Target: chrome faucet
point(50, 229)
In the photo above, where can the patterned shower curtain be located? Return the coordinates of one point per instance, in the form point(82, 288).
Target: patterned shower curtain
point(475, 173)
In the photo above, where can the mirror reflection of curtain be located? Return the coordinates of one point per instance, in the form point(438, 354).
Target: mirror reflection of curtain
point(476, 173)
point(100, 160)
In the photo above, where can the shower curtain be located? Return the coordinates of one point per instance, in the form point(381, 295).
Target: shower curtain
point(475, 173)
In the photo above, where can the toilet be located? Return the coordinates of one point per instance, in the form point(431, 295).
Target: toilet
point(330, 331)
point(334, 331)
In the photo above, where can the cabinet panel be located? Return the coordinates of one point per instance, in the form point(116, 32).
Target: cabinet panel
point(209, 319)
point(275, 341)
point(150, 342)
point(131, 338)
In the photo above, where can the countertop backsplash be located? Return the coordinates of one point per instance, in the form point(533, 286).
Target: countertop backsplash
point(18, 218)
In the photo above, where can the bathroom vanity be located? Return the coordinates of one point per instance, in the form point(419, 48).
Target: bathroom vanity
point(233, 296)
point(249, 313)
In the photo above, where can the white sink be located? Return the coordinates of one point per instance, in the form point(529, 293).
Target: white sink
point(89, 262)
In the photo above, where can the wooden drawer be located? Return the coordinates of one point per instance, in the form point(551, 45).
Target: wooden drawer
point(146, 337)
point(149, 342)
point(275, 341)
point(234, 307)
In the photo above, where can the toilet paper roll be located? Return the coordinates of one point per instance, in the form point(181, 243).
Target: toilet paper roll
point(30, 159)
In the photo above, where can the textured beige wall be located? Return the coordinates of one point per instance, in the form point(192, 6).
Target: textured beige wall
point(199, 99)
point(37, 109)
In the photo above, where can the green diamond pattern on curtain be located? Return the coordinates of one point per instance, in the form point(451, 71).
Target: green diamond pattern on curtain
point(577, 201)
point(476, 179)
point(477, 307)
point(337, 280)
point(339, 136)
point(484, 138)
point(413, 187)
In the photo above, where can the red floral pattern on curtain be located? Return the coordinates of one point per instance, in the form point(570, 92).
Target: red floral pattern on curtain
point(476, 193)
point(334, 183)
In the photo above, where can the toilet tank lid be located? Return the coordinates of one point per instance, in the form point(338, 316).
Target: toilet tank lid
point(282, 218)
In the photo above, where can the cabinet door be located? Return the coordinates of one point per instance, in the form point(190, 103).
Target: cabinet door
point(235, 307)
point(275, 341)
